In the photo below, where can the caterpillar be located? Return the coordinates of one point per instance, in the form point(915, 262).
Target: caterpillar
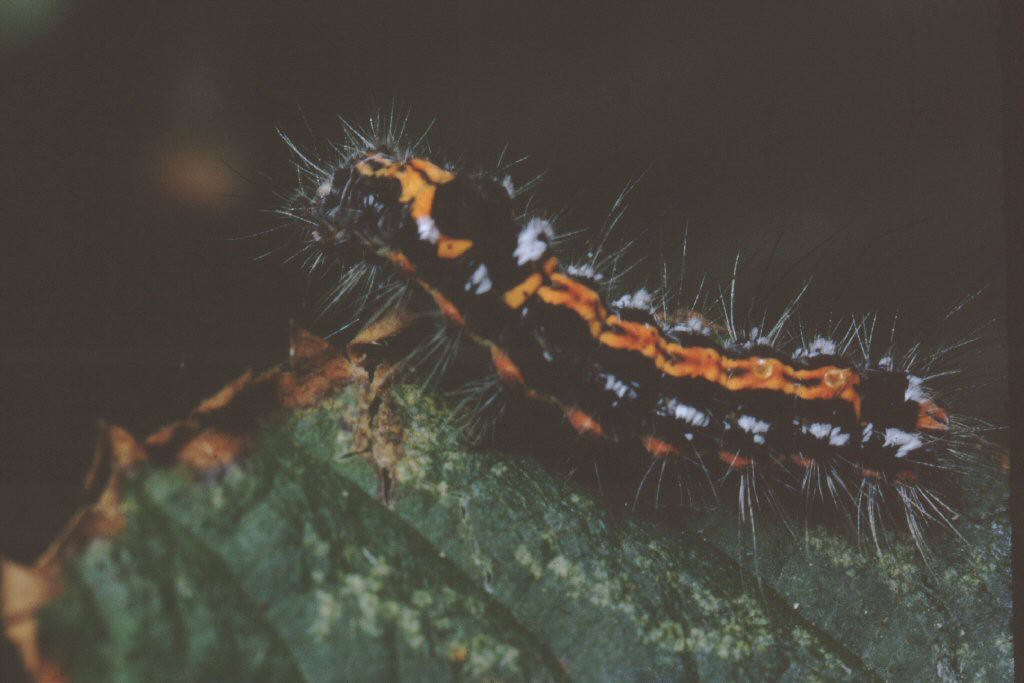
point(854, 432)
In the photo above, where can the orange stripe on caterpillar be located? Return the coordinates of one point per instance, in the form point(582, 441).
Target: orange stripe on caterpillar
point(434, 173)
point(673, 359)
point(450, 247)
point(734, 461)
point(631, 336)
point(402, 262)
point(419, 179)
point(584, 423)
point(421, 203)
point(520, 294)
point(411, 174)
point(931, 417)
point(659, 448)
point(507, 369)
point(734, 374)
point(908, 477)
point(448, 309)
point(690, 361)
point(801, 461)
point(585, 302)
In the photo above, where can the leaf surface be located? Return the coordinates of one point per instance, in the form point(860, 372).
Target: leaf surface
point(285, 566)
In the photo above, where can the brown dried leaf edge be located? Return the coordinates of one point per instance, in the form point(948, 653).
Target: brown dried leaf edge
point(217, 433)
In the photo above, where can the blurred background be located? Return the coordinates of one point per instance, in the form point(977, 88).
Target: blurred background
point(858, 145)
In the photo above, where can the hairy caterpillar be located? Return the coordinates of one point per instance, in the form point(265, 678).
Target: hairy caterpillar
point(862, 432)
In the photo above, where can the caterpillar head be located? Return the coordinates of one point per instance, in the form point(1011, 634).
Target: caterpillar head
point(355, 207)
point(381, 200)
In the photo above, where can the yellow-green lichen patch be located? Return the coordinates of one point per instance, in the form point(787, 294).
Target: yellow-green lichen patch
point(556, 558)
point(328, 612)
point(898, 568)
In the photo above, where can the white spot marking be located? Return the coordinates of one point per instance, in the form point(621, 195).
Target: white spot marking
point(826, 432)
point(820, 346)
point(587, 272)
point(755, 339)
point(479, 281)
point(751, 425)
point(694, 324)
point(616, 386)
point(906, 441)
point(533, 241)
point(427, 229)
point(915, 390)
point(869, 429)
point(640, 299)
point(506, 183)
point(686, 413)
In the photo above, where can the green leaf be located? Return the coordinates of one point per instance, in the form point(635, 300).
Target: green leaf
point(489, 568)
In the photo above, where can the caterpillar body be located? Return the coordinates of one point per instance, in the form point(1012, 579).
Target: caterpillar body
point(857, 433)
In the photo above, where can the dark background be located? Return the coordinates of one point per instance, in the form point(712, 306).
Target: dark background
point(863, 140)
